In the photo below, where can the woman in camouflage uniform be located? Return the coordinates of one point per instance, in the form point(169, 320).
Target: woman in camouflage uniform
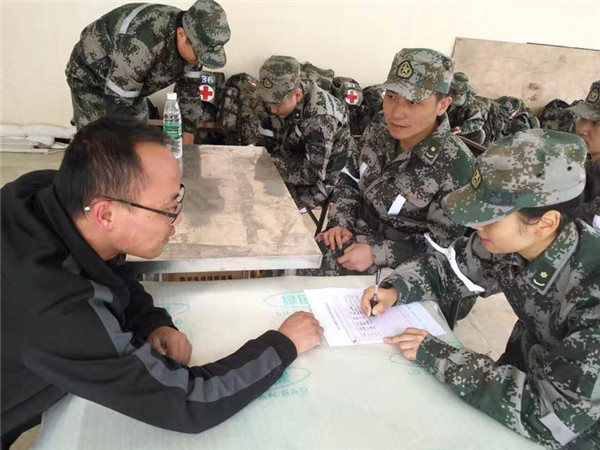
point(546, 386)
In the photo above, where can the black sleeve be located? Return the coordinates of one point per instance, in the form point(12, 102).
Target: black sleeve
point(141, 316)
point(79, 347)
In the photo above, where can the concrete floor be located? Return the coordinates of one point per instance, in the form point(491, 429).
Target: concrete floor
point(485, 330)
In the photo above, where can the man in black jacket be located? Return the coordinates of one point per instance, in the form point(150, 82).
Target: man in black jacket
point(74, 319)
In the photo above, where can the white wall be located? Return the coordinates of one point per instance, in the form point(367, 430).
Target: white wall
point(356, 39)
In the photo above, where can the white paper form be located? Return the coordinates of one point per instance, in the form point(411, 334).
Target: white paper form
point(338, 310)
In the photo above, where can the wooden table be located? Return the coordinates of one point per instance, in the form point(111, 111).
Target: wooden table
point(238, 214)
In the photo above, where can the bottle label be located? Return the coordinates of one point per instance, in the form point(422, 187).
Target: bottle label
point(173, 130)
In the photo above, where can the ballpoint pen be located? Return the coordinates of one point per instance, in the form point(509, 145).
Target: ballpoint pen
point(374, 300)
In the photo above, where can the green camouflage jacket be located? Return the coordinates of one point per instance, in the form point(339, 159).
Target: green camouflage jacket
point(311, 146)
point(404, 189)
point(546, 386)
point(467, 116)
point(130, 53)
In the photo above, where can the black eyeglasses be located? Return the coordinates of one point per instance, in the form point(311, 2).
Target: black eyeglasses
point(173, 215)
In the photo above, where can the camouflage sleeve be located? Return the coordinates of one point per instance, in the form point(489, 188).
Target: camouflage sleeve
point(309, 167)
point(189, 101)
point(131, 60)
point(559, 392)
point(445, 274)
point(552, 403)
point(251, 116)
point(345, 203)
point(473, 120)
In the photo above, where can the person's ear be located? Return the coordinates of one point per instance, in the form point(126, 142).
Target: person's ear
point(103, 214)
point(443, 105)
point(181, 34)
point(299, 95)
point(548, 224)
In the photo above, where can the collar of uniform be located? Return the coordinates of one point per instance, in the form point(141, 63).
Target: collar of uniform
point(429, 148)
point(298, 113)
point(543, 271)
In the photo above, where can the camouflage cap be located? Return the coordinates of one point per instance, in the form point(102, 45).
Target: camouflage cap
point(460, 83)
point(590, 107)
point(279, 76)
point(530, 169)
point(417, 73)
point(205, 25)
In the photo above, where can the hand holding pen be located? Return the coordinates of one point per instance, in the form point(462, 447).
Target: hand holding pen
point(375, 299)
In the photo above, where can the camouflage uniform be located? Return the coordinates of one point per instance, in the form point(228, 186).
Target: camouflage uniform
point(310, 146)
point(311, 74)
point(373, 100)
point(546, 386)
point(589, 109)
point(388, 197)
point(350, 94)
point(556, 116)
point(131, 52)
point(206, 86)
point(465, 111)
point(240, 110)
point(495, 119)
point(521, 117)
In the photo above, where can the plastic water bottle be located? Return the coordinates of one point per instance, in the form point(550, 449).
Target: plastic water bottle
point(172, 124)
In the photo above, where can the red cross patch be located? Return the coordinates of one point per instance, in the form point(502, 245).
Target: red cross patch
point(207, 93)
point(352, 97)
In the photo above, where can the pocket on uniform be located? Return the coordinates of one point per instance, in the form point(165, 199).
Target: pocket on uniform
point(418, 193)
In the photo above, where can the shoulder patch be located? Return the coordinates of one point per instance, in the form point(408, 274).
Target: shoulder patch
point(428, 154)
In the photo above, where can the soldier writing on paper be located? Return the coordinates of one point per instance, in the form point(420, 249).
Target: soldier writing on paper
point(521, 201)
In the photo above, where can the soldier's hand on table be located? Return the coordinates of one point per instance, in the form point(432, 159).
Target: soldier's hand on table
point(172, 343)
point(386, 297)
point(188, 138)
point(303, 330)
point(336, 236)
point(408, 342)
point(357, 257)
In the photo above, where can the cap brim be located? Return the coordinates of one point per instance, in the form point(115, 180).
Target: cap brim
point(464, 208)
point(585, 111)
point(408, 90)
point(266, 95)
point(212, 60)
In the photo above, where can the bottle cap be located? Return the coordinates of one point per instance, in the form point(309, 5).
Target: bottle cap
point(171, 95)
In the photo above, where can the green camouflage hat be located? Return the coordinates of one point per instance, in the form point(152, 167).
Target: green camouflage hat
point(417, 73)
point(530, 169)
point(589, 108)
point(205, 25)
point(460, 83)
point(279, 76)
